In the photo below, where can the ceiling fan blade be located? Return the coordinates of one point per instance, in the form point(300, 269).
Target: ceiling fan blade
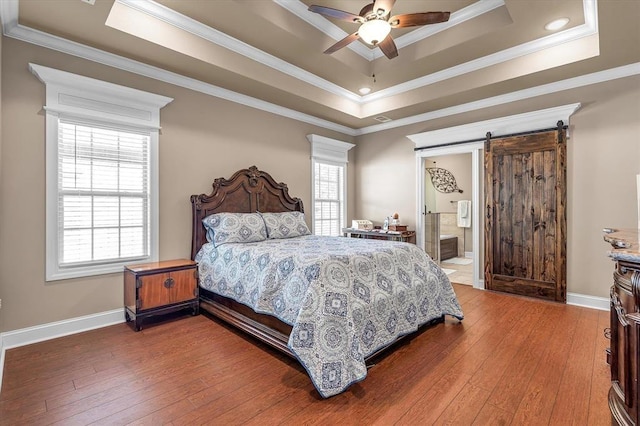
point(384, 6)
point(417, 19)
point(388, 47)
point(342, 43)
point(335, 13)
point(366, 10)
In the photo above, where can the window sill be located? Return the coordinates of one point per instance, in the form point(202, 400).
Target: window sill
point(55, 273)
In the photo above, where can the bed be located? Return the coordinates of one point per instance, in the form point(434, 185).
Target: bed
point(330, 302)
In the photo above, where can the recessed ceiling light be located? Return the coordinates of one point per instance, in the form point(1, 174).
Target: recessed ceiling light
point(364, 90)
point(557, 24)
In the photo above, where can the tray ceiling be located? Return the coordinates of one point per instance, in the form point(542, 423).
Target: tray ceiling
point(271, 51)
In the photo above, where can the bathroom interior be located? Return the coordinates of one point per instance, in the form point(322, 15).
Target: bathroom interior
point(448, 226)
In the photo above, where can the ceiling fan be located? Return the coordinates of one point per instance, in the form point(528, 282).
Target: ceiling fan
point(375, 24)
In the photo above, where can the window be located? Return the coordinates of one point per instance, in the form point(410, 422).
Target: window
point(103, 194)
point(329, 170)
point(328, 218)
point(101, 179)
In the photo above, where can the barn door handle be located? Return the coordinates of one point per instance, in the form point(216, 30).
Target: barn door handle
point(168, 283)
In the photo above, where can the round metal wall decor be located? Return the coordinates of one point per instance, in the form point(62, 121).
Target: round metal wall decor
point(443, 180)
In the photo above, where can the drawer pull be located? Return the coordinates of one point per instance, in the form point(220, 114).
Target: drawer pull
point(617, 305)
point(168, 283)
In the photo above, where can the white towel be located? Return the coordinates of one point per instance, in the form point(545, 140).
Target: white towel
point(464, 214)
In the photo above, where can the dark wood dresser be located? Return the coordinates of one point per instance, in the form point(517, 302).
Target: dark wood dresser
point(624, 353)
point(159, 287)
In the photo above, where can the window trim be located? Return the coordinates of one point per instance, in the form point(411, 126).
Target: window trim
point(76, 97)
point(333, 152)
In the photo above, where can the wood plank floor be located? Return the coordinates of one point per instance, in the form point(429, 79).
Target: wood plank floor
point(511, 361)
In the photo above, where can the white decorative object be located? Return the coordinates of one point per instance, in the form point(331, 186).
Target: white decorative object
point(363, 224)
point(374, 31)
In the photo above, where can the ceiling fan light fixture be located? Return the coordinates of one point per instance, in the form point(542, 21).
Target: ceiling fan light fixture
point(557, 24)
point(374, 31)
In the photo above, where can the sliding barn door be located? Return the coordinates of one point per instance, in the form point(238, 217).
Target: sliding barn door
point(525, 225)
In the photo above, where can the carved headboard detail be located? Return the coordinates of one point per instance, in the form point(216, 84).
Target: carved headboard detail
point(247, 191)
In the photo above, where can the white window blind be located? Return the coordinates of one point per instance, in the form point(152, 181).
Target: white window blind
point(103, 194)
point(328, 199)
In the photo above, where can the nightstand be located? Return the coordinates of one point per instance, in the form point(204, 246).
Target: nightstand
point(158, 288)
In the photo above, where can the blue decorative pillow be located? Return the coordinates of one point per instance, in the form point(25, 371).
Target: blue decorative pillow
point(225, 228)
point(285, 225)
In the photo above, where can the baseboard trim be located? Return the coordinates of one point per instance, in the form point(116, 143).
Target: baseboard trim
point(39, 333)
point(600, 303)
point(52, 330)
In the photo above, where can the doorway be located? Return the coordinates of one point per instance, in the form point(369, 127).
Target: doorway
point(471, 237)
point(448, 225)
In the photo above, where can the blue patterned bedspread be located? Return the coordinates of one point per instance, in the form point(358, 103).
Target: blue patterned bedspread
point(344, 297)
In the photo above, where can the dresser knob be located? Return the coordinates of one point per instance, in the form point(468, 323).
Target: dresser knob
point(168, 283)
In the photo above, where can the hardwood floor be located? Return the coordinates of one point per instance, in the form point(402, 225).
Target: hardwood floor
point(511, 361)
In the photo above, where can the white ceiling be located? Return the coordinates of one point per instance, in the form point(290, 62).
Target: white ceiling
point(268, 54)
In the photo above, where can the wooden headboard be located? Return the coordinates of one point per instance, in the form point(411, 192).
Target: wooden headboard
point(247, 191)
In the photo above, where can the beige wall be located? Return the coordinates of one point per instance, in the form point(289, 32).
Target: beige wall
point(202, 138)
point(205, 137)
point(603, 160)
point(460, 167)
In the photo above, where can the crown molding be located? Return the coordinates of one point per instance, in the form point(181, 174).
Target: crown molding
point(62, 45)
point(11, 28)
point(540, 119)
point(589, 28)
point(532, 92)
point(219, 38)
point(298, 8)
